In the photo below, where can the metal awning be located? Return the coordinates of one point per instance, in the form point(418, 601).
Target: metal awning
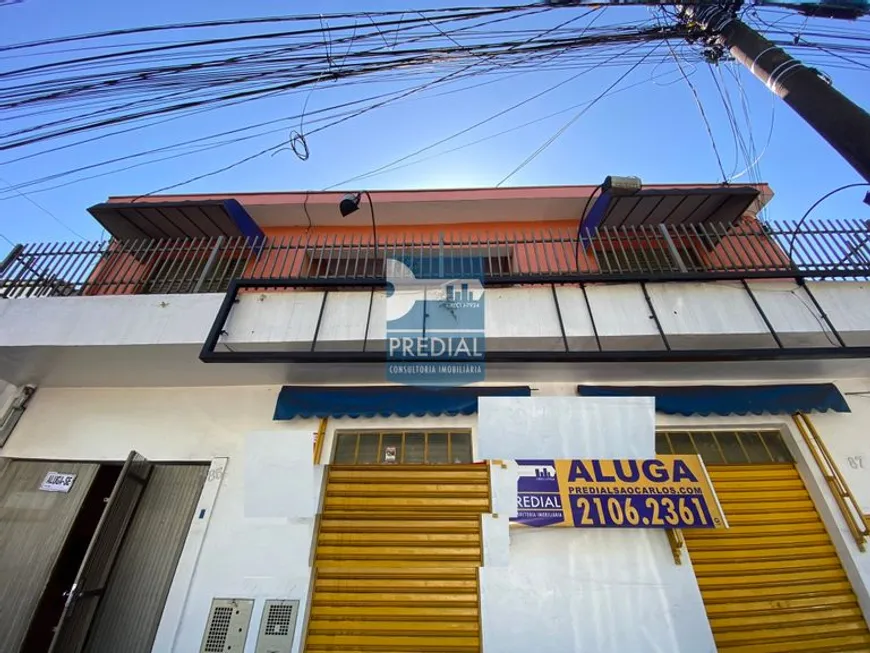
point(192, 219)
point(679, 206)
point(385, 401)
point(730, 399)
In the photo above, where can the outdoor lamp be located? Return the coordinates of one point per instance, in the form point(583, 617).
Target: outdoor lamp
point(611, 187)
point(350, 203)
point(621, 185)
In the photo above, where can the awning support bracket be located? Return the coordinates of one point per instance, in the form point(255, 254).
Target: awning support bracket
point(675, 539)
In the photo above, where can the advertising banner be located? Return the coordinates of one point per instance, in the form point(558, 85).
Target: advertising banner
point(662, 492)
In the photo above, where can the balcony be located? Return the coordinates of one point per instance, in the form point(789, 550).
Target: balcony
point(747, 250)
point(718, 300)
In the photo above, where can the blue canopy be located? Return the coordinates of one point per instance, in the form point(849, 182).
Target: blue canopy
point(370, 401)
point(730, 399)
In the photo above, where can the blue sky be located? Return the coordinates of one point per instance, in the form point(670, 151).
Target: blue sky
point(651, 129)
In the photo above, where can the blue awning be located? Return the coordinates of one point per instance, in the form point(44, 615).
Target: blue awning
point(730, 399)
point(371, 401)
point(179, 219)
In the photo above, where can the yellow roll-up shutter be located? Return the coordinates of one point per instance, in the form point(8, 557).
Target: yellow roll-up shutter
point(396, 563)
point(772, 583)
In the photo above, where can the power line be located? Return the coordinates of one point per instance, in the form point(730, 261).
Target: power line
point(233, 22)
point(398, 59)
point(701, 110)
point(44, 210)
point(503, 132)
point(574, 119)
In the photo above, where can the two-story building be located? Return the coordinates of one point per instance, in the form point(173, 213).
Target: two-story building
point(203, 447)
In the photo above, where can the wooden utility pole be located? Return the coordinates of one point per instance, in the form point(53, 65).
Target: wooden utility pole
point(841, 122)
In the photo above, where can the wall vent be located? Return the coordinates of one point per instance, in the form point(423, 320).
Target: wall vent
point(277, 626)
point(227, 626)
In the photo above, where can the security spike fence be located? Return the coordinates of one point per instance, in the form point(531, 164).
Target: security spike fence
point(838, 249)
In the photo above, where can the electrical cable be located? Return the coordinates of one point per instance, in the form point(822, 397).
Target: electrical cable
point(574, 119)
point(44, 210)
point(472, 127)
point(701, 110)
point(224, 133)
point(500, 50)
point(220, 23)
point(800, 222)
point(582, 219)
point(390, 168)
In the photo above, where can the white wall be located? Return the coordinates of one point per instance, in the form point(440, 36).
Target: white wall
point(561, 589)
point(268, 556)
point(250, 549)
point(845, 435)
point(40, 335)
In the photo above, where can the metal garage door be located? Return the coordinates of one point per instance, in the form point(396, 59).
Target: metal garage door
point(130, 611)
point(34, 526)
point(772, 582)
point(398, 548)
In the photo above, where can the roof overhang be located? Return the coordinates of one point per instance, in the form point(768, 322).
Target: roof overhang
point(459, 206)
point(176, 219)
point(679, 206)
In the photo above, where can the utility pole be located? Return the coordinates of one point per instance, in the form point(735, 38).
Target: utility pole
point(841, 122)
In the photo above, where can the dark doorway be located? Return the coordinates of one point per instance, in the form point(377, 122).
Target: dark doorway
point(51, 604)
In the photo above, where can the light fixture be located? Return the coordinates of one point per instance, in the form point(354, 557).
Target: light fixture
point(611, 187)
point(350, 204)
point(621, 185)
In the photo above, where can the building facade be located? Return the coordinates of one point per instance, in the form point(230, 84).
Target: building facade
point(203, 449)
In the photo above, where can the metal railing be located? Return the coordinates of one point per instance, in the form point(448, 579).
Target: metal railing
point(837, 249)
point(843, 496)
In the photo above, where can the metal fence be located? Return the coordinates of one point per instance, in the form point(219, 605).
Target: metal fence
point(836, 249)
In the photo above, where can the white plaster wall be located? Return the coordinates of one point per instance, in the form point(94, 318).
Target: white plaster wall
point(521, 318)
point(576, 319)
point(524, 317)
point(594, 590)
point(511, 428)
point(792, 314)
point(268, 556)
point(107, 320)
point(287, 317)
point(707, 315)
point(563, 589)
point(258, 537)
point(622, 316)
point(846, 304)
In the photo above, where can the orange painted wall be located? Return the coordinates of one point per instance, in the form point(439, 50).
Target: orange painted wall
point(532, 247)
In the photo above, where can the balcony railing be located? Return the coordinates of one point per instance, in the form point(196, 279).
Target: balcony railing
point(838, 249)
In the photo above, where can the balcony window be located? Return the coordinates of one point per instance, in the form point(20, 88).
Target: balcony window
point(425, 261)
point(186, 273)
point(622, 255)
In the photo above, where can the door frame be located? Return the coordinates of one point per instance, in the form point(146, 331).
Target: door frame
point(813, 480)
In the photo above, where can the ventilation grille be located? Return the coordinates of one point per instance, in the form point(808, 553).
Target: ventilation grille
point(216, 636)
point(227, 627)
point(277, 626)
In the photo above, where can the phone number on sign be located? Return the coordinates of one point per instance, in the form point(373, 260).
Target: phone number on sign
point(642, 512)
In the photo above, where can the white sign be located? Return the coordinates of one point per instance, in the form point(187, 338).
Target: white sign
point(390, 455)
point(57, 482)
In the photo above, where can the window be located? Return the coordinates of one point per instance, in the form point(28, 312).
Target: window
point(615, 255)
point(402, 447)
point(426, 261)
point(182, 274)
point(726, 447)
